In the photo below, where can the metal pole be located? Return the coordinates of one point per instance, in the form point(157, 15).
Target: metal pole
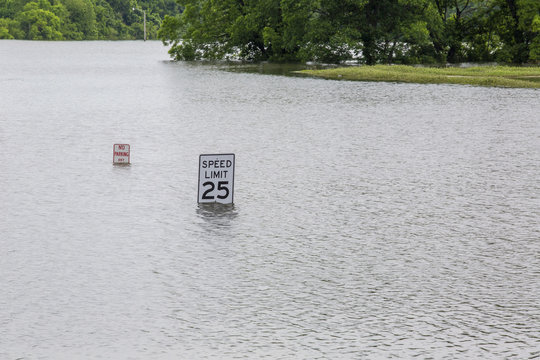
point(144, 15)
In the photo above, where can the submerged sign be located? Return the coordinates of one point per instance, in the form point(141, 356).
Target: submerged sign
point(216, 178)
point(121, 154)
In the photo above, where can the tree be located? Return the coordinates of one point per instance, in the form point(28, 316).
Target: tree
point(515, 28)
point(81, 14)
point(4, 29)
point(10, 29)
point(333, 30)
point(534, 54)
point(39, 22)
point(448, 34)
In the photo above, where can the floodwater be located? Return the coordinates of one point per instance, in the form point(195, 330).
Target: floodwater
point(371, 220)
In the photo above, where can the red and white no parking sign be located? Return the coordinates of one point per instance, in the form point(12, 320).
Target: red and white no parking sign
point(121, 154)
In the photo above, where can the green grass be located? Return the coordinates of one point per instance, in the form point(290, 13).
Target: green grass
point(500, 76)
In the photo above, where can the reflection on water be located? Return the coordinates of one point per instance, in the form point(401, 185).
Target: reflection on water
point(264, 68)
point(371, 220)
point(216, 214)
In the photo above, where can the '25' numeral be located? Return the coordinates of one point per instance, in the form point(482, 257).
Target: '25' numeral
point(221, 186)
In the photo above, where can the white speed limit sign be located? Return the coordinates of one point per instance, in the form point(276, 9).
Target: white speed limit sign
point(216, 178)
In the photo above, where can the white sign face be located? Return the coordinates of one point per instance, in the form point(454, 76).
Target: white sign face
point(121, 154)
point(216, 178)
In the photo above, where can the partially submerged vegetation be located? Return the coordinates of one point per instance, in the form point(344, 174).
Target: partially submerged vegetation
point(367, 31)
point(501, 76)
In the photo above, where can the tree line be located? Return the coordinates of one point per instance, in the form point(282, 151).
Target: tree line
point(369, 31)
point(82, 19)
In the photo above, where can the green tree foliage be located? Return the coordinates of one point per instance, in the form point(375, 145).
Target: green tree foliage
point(374, 31)
point(332, 30)
point(10, 29)
point(535, 44)
point(82, 19)
point(394, 31)
point(38, 21)
point(518, 34)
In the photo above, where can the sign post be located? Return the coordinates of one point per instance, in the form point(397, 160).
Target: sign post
point(216, 178)
point(121, 154)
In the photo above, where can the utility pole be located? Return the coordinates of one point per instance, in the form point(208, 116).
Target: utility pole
point(144, 17)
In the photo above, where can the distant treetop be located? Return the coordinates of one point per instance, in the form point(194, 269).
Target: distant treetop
point(82, 19)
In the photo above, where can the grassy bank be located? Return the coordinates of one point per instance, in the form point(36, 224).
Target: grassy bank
point(501, 76)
